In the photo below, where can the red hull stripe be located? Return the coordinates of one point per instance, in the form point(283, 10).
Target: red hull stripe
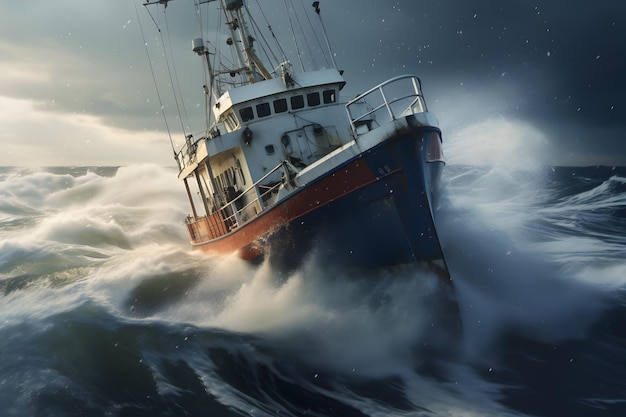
point(349, 178)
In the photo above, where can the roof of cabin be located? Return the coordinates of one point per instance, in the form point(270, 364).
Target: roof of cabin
point(274, 86)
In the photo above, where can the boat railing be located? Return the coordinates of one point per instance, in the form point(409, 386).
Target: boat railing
point(257, 197)
point(187, 153)
point(396, 97)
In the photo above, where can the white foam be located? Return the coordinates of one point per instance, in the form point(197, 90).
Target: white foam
point(508, 276)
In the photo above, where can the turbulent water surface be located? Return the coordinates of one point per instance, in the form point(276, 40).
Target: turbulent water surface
point(105, 309)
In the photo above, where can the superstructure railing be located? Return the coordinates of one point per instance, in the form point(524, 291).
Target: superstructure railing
point(247, 204)
point(396, 97)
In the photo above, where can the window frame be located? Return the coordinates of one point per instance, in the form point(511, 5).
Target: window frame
point(246, 113)
point(278, 110)
point(300, 102)
point(313, 99)
point(263, 110)
point(329, 96)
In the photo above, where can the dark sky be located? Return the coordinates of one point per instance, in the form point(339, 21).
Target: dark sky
point(556, 65)
point(74, 77)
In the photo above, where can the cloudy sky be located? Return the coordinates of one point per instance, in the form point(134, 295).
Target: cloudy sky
point(545, 78)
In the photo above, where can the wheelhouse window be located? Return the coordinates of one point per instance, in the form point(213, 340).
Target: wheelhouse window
point(246, 114)
point(280, 105)
point(313, 99)
point(263, 110)
point(329, 96)
point(297, 102)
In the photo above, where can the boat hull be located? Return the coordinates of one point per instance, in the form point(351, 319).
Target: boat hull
point(376, 209)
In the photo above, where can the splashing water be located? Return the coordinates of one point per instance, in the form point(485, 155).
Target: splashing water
point(106, 309)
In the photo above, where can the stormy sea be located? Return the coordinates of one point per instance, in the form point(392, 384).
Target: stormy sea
point(105, 310)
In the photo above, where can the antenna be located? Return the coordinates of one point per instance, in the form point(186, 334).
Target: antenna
point(316, 6)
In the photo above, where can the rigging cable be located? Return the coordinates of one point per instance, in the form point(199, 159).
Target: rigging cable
point(319, 43)
point(269, 27)
point(222, 63)
point(293, 34)
point(264, 44)
point(168, 66)
point(331, 54)
point(156, 87)
point(198, 15)
point(169, 72)
point(306, 43)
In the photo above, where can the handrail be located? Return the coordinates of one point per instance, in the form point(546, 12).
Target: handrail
point(186, 155)
point(393, 106)
point(234, 216)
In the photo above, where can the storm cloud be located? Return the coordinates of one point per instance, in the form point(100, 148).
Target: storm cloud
point(80, 74)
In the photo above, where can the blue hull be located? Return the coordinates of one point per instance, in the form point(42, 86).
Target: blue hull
point(386, 222)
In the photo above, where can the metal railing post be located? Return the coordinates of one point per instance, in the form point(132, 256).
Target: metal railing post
point(235, 213)
point(382, 93)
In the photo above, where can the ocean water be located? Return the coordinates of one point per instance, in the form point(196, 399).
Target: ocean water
point(106, 311)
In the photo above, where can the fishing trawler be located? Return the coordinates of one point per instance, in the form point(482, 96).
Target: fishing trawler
point(287, 166)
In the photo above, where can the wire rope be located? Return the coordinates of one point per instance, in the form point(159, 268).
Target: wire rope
point(319, 43)
point(176, 78)
point(293, 34)
point(169, 71)
point(156, 87)
point(269, 27)
point(267, 50)
point(305, 40)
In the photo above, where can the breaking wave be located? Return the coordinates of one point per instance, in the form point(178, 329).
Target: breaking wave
point(106, 309)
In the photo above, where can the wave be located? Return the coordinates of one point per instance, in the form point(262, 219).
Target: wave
point(117, 313)
point(75, 219)
point(121, 230)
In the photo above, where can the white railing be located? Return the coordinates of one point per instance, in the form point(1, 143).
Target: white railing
point(396, 97)
point(187, 153)
point(256, 198)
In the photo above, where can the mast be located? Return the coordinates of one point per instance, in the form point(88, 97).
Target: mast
point(243, 42)
point(199, 48)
